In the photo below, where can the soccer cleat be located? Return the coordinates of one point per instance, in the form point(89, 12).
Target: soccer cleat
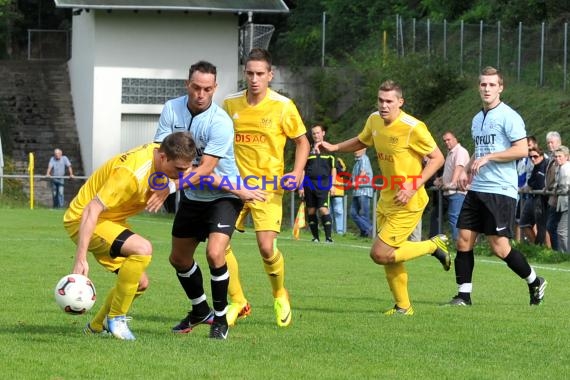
point(118, 327)
point(537, 292)
point(237, 311)
point(442, 251)
point(88, 330)
point(458, 301)
point(282, 309)
point(329, 240)
point(190, 321)
point(399, 311)
point(315, 240)
point(219, 330)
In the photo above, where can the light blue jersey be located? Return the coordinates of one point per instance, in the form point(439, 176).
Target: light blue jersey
point(213, 133)
point(495, 131)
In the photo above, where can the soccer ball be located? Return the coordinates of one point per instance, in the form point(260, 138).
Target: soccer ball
point(75, 294)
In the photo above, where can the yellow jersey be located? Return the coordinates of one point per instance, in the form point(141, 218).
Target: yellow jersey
point(260, 134)
point(121, 184)
point(400, 149)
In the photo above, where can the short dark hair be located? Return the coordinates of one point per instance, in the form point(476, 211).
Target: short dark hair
point(258, 54)
point(203, 67)
point(179, 145)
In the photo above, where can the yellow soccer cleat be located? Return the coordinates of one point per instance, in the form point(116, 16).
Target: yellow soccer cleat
point(442, 251)
point(396, 311)
point(237, 311)
point(282, 310)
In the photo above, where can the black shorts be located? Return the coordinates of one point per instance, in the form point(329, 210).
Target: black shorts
point(490, 214)
point(199, 219)
point(316, 198)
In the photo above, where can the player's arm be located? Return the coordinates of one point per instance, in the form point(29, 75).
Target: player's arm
point(409, 189)
point(517, 150)
point(333, 177)
point(347, 146)
point(302, 149)
point(89, 219)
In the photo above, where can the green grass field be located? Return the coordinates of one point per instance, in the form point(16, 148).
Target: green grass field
point(338, 330)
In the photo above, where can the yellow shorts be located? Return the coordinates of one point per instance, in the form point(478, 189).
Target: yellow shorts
point(106, 232)
point(266, 215)
point(394, 229)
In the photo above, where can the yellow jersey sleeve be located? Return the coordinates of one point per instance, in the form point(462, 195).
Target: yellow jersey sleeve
point(118, 189)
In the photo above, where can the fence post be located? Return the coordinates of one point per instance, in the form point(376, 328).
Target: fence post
point(445, 40)
point(541, 81)
point(324, 39)
point(461, 48)
point(519, 52)
point(565, 64)
point(498, 44)
point(31, 173)
point(480, 45)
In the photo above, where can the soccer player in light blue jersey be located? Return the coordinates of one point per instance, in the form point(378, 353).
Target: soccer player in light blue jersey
point(207, 210)
point(489, 207)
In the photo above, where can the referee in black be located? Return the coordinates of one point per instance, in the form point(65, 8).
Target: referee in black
point(317, 182)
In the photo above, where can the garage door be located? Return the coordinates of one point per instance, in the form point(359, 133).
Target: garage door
point(137, 129)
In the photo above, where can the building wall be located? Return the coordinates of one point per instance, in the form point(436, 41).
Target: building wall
point(125, 44)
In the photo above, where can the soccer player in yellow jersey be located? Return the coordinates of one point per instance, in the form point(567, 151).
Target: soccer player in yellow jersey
point(96, 221)
point(263, 121)
point(401, 141)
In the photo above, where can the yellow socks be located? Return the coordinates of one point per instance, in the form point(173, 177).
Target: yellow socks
point(235, 291)
point(127, 284)
point(398, 281)
point(275, 269)
point(412, 249)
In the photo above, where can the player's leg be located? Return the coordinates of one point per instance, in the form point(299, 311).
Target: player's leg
point(221, 216)
point(323, 203)
point(469, 224)
point(267, 220)
point(188, 231)
point(311, 204)
point(501, 209)
point(239, 307)
point(138, 254)
point(394, 232)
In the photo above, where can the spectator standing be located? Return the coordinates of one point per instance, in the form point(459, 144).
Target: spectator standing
point(56, 168)
point(362, 195)
point(455, 162)
point(317, 186)
point(489, 207)
point(562, 186)
point(553, 142)
point(533, 215)
point(337, 197)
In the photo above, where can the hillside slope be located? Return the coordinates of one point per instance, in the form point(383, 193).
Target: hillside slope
point(542, 110)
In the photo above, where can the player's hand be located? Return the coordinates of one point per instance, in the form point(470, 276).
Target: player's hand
point(463, 181)
point(324, 146)
point(404, 195)
point(156, 200)
point(81, 267)
point(478, 164)
point(293, 181)
point(247, 195)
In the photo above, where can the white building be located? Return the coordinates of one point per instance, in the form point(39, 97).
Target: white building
point(129, 57)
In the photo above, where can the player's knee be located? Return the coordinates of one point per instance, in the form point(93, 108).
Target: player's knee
point(379, 258)
point(144, 248)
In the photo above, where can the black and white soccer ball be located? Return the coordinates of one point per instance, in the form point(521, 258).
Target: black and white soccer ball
point(75, 294)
